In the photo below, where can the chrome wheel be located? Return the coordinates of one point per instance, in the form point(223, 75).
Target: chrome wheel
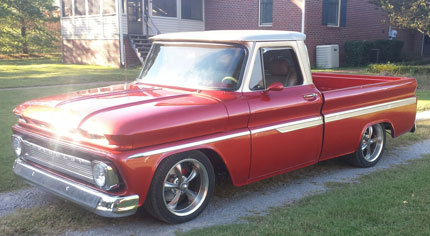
point(185, 187)
point(372, 142)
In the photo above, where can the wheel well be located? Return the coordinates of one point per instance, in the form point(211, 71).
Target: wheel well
point(388, 126)
point(221, 171)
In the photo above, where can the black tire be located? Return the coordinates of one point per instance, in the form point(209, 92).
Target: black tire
point(371, 149)
point(162, 201)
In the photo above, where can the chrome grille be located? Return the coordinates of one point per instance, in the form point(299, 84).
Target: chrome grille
point(67, 164)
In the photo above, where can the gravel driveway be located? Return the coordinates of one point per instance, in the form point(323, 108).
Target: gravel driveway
point(230, 204)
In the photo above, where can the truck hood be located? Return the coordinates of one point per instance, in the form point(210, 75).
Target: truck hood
point(134, 115)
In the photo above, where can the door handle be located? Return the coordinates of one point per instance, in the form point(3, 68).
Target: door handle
point(310, 97)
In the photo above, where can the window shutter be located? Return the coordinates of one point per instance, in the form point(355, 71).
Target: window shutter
point(343, 7)
point(325, 12)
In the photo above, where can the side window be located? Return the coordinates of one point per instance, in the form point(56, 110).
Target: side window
point(257, 82)
point(277, 65)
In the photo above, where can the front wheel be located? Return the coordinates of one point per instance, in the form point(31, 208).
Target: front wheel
point(371, 147)
point(181, 187)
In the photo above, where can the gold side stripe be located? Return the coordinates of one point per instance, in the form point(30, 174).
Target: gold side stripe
point(291, 126)
point(187, 145)
point(369, 109)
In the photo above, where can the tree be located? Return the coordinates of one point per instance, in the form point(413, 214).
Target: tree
point(24, 25)
point(407, 14)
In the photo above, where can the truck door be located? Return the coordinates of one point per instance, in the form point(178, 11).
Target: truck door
point(286, 124)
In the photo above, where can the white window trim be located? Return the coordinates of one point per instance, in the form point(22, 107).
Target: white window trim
point(338, 16)
point(259, 16)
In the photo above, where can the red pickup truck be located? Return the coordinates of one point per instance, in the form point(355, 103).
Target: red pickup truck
point(240, 102)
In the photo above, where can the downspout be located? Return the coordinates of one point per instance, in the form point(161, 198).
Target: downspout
point(303, 15)
point(121, 35)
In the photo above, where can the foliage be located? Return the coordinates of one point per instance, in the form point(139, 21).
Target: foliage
point(398, 69)
point(27, 26)
point(407, 14)
point(389, 50)
point(358, 52)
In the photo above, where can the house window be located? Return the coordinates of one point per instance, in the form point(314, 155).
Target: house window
point(266, 12)
point(192, 9)
point(334, 13)
point(79, 7)
point(166, 8)
point(93, 7)
point(66, 8)
point(109, 7)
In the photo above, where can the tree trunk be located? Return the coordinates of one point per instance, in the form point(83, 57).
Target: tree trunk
point(24, 40)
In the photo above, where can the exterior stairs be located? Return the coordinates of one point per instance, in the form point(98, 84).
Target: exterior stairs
point(141, 45)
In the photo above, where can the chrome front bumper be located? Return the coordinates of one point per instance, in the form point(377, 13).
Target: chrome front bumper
point(97, 202)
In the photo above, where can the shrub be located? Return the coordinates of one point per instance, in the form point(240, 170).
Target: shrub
point(358, 52)
point(389, 50)
point(399, 69)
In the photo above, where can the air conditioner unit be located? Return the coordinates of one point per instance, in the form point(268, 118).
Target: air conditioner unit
point(328, 56)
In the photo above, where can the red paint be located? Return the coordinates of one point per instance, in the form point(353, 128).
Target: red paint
point(138, 118)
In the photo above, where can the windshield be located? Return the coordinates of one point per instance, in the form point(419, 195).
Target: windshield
point(203, 66)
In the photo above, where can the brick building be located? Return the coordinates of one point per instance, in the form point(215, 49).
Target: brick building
point(114, 32)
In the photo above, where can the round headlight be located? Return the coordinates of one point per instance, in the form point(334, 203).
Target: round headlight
point(17, 145)
point(99, 174)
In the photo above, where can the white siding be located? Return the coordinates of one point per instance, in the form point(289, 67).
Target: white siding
point(90, 27)
point(110, 25)
point(124, 24)
point(169, 25)
point(94, 24)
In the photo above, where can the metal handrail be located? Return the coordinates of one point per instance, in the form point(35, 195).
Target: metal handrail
point(153, 24)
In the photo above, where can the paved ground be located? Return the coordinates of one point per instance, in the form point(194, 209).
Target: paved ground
point(230, 204)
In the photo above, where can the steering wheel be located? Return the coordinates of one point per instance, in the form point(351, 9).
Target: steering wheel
point(229, 78)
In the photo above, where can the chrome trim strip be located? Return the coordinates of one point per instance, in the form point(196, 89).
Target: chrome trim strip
point(187, 145)
point(369, 109)
point(292, 126)
point(97, 202)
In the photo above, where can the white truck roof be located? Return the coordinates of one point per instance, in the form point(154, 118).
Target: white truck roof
point(232, 35)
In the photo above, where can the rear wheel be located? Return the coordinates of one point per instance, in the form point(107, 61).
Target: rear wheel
point(181, 187)
point(371, 147)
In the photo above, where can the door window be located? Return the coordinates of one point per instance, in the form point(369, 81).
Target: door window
point(273, 65)
point(134, 11)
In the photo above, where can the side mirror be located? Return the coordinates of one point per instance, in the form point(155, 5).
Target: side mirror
point(274, 87)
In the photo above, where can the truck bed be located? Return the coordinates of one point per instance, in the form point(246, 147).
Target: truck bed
point(330, 81)
point(365, 99)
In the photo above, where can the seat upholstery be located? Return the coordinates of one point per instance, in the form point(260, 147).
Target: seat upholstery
point(281, 72)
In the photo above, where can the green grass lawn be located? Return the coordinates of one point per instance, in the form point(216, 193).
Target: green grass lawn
point(8, 101)
point(39, 72)
point(391, 202)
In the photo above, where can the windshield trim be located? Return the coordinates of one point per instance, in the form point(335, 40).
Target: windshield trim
point(242, 71)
